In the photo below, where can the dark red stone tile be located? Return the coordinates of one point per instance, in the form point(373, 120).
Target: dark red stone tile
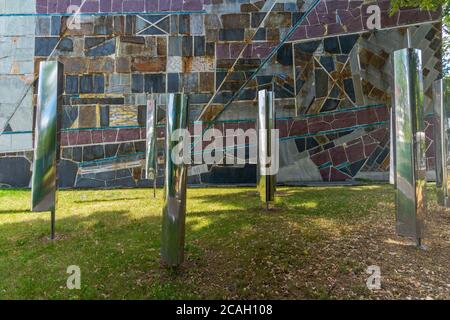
point(336, 175)
point(97, 136)
point(338, 155)
point(128, 134)
point(110, 135)
point(355, 152)
point(325, 173)
point(369, 149)
point(84, 137)
point(64, 139)
point(366, 116)
point(321, 158)
point(298, 127)
point(319, 127)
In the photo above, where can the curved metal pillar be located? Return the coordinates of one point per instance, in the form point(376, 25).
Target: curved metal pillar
point(174, 211)
point(266, 123)
point(410, 144)
point(151, 169)
point(441, 114)
point(46, 139)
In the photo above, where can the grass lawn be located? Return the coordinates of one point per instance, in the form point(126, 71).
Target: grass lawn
point(316, 244)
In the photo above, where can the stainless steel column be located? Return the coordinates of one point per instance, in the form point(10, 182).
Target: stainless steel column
point(266, 123)
point(46, 139)
point(151, 169)
point(441, 115)
point(174, 211)
point(410, 143)
point(392, 148)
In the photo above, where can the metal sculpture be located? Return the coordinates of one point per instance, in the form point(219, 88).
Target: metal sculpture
point(266, 125)
point(46, 139)
point(151, 165)
point(441, 109)
point(174, 210)
point(410, 144)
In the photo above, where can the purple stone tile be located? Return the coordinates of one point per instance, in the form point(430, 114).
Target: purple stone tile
point(176, 5)
point(335, 28)
point(117, 6)
point(389, 21)
point(164, 5)
point(222, 51)
point(315, 31)
point(327, 18)
point(313, 18)
point(236, 48)
point(90, 6)
point(195, 5)
point(105, 5)
point(355, 4)
point(355, 25)
point(333, 5)
point(299, 34)
point(41, 6)
point(262, 50)
point(384, 5)
point(321, 8)
point(133, 6)
point(63, 6)
point(151, 5)
point(52, 6)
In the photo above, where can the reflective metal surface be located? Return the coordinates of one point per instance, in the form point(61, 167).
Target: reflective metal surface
point(266, 123)
point(410, 143)
point(174, 211)
point(441, 114)
point(392, 176)
point(150, 165)
point(46, 139)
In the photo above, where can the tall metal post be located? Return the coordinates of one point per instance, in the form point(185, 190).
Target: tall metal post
point(151, 169)
point(392, 171)
point(410, 144)
point(266, 123)
point(46, 139)
point(441, 115)
point(174, 211)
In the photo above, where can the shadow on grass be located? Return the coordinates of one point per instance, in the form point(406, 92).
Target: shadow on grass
point(228, 250)
point(334, 202)
point(107, 200)
point(25, 211)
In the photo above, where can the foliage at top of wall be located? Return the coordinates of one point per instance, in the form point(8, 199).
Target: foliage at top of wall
point(433, 5)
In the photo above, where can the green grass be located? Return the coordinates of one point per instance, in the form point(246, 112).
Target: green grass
point(234, 248)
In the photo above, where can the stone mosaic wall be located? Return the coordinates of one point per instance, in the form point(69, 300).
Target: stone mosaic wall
point(331, 80)
point(16, 75)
